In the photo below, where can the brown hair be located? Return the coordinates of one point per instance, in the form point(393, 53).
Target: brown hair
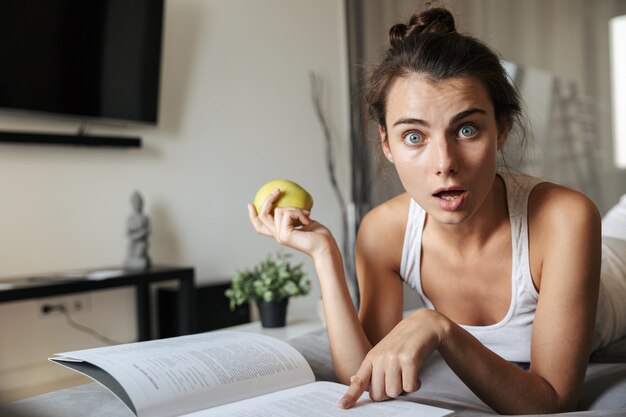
point(429, 45)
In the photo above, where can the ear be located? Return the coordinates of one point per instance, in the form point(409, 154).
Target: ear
point(384, 142)
point(503, 135)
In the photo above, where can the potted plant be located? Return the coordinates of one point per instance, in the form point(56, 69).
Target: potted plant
point(269, 284)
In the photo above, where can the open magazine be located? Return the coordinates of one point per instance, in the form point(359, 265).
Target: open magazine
point(222, 373)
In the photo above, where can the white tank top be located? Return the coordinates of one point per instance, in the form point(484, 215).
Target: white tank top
point(509, 338)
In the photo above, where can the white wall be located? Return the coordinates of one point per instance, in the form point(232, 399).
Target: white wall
point(235, 112)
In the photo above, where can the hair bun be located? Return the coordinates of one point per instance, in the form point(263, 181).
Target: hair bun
point(436, 20)
point(397, 33)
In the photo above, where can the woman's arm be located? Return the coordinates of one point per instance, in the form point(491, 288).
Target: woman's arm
point(568, 283)
point(569, 227)
point(348, 340)
point(565, 228)
point(378, 251)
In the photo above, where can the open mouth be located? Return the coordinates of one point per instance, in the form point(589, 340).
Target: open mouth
point(449, 195)
point(450, 200)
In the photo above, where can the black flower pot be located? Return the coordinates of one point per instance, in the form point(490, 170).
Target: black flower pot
point(274, 313)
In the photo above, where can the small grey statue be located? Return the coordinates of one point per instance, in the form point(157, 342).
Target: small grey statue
point(137, 230)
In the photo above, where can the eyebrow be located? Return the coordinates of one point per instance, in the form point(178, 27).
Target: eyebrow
point(453, 119)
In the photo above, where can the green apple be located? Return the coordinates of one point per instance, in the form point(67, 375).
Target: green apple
point(292, 195)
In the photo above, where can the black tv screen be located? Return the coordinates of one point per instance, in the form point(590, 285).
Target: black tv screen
point(86, 58)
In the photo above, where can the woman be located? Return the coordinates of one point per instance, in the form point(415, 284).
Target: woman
point(508, 266)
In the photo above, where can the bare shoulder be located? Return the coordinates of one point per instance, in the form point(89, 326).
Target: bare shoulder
point(389, 216)
point(554, 207)
point(564, 230)
point(382, 229)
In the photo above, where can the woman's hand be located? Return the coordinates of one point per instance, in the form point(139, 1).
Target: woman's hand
point(291, 227)
point(392, 366)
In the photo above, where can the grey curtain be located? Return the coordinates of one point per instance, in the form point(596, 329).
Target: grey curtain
point(562, 42)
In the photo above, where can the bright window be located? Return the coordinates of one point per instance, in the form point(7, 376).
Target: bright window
point(618, 87)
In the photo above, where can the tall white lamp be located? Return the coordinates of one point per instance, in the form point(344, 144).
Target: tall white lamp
point(617, 30)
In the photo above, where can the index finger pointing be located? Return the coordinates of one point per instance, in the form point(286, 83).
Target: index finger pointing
point(358, 384)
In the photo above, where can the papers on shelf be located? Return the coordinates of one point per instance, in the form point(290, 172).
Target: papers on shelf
point(104, 274)
point(79, 274)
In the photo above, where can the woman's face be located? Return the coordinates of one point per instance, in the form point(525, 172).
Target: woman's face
point(443, 139)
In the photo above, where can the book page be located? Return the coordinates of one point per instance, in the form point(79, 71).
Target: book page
point(319, 399)
point(182, 374)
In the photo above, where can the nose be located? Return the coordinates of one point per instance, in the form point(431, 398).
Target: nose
point(445, 159)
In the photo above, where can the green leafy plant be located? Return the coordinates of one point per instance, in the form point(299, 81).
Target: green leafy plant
point(274, 279)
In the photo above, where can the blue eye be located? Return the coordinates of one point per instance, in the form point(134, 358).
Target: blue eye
point(468, 131)
point(413, 138)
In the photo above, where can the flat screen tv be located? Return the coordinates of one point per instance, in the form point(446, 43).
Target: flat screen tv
point(91, 59)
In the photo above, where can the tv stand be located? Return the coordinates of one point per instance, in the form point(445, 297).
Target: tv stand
point(80, 139)
point(48, 285)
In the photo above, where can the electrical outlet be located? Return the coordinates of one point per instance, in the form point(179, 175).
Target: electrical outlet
point(73, 304)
